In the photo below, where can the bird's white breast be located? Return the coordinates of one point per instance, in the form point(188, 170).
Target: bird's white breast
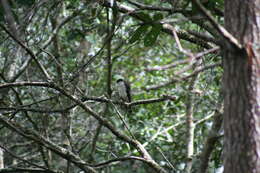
point(122, 90)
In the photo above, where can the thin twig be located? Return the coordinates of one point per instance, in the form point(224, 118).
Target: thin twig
point(29, 51)
point(183, 78)
point(26, 161)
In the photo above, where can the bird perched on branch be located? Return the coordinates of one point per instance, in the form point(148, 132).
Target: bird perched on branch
point(124, 90)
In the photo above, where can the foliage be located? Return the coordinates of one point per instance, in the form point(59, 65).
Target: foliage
point(74, 42)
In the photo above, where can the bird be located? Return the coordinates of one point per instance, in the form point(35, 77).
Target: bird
point(124, 90)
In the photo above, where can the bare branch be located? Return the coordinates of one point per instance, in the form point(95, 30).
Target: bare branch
point(189, 120)
point(134, 13)
point(29, 134)
point(153, 8)
point(26, 161)
point(197, 56)
point(120, 159)
point(211, 139)
point(222, 31)
point(19, 170)
point(28, 50)
point(84, 99)
point(183, 78)
point(10, 18)
point(148, 101)
point(87, 109)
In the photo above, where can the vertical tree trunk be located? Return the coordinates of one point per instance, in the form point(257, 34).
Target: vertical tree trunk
point(242, 88)
point(1, 158)
point(189, 120)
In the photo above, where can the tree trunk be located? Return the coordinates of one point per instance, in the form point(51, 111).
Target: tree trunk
point(242, 88)
point(1, 158)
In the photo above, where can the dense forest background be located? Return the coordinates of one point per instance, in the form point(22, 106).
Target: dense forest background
point(59, 104)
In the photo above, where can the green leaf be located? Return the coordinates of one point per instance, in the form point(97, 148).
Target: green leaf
point(211, 4)
point(26, 2)
point(73, 35)
point(220, 3)
point(158, 16)
point(145, 17)
point(151, 36)
point(138, 33)
point(194, 8)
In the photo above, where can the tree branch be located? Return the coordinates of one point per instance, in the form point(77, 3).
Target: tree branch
point(134, 13)
point(180, 79)
point(76, 160)
point(25, 170)
point(32, 135)
point(28, 50)
point(180, 62)
point(211, 139)
point(26, 161)
point(222, 31)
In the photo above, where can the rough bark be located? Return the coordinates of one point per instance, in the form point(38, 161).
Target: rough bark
point(242, 88)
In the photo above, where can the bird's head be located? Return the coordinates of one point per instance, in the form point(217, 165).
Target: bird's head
point(119, 80)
